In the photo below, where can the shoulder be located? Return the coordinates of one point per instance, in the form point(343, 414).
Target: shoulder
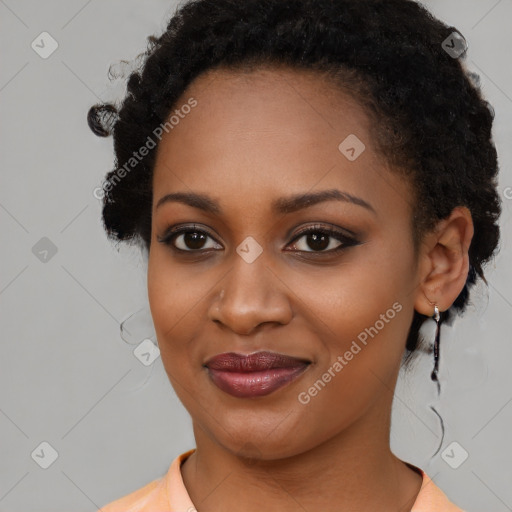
point(431, 497)
point(156, 495)
point(136, 501)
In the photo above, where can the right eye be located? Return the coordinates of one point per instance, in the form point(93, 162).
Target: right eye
point(187, 239)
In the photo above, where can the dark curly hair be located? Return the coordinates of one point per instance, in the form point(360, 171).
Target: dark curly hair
point(434, 127)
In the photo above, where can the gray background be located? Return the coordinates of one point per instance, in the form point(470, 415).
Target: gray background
point(66, 376)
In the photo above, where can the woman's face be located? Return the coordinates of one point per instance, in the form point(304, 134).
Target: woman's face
point(248, 280)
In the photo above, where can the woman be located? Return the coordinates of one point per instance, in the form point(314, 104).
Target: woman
point(311, 180)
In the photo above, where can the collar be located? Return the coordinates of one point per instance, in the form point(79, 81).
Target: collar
point(429, 498)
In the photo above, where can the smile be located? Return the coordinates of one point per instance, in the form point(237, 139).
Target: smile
point(253, 375)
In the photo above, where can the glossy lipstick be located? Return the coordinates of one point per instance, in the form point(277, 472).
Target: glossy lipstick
point(257, 374)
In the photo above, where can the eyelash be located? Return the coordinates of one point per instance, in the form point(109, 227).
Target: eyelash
point(171, 233)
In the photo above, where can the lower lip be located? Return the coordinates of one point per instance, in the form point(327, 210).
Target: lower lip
point(253, 384)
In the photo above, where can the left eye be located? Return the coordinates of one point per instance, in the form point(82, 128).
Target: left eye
point(321, 241)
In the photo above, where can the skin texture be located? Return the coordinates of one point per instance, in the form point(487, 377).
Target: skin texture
point(252, 138)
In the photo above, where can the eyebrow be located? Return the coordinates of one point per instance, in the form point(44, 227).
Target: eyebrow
point(282, 205)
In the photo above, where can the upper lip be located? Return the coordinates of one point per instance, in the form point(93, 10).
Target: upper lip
point(257, 361)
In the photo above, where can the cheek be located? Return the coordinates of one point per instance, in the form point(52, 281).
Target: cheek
point(361, 324)
point(178, 301)
point(173, 295)
point(360, 311)
point(347, 298)
point(170, 298)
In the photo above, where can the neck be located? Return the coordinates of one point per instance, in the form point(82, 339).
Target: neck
point(354, 470)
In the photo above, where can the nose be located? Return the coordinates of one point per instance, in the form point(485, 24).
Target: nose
point(251, 294)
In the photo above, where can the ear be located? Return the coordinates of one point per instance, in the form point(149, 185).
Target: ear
point(444, 262)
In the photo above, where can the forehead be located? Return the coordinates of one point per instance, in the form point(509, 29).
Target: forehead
point(273, 97)
point(270, 132)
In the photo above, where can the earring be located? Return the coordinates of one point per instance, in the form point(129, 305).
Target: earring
point(434, 374)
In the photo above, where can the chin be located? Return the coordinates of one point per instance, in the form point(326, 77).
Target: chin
point(251, 443)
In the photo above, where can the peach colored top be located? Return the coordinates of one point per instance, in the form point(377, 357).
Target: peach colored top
point(168, 494)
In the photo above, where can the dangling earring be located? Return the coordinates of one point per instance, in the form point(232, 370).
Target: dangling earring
point(434, 374)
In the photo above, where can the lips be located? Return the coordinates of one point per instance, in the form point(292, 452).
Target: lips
point(253, 375)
